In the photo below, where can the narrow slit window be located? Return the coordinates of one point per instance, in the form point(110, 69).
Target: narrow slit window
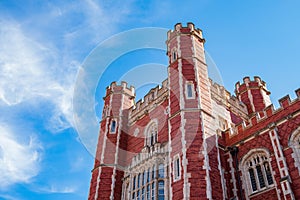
point(113, 126)
point(189, 90)
point(176, 168)
point(174, 55)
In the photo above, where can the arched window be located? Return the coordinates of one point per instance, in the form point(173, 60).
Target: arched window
point(257, 173)
point(151, 134)
point(294, 143)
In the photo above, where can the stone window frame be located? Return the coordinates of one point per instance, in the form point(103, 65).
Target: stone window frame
point(294, 143)
point(153, 124)
point(113, 129)
point(174, 55)
point(192, 87)
point(264, 157)
point(154, 179)
point(176, 171)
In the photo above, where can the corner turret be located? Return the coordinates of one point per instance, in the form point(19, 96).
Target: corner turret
point(253, 93)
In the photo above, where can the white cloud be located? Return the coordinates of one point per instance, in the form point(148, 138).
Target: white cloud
point(56, 188)
point(38, 61)
point(19, 162)
point(29, 70)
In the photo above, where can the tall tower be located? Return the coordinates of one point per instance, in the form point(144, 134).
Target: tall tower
point(192, 138)
point(107, 174)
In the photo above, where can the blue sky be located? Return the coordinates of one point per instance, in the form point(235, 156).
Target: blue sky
point(44, 43)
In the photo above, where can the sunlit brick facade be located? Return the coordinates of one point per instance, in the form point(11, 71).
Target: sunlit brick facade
point(191, 139)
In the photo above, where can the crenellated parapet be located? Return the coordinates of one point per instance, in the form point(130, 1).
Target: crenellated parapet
point(253, 93)
point(189, 29)
point(223, 97)
point(121, 88)
point(265, 119)
point(150, 101)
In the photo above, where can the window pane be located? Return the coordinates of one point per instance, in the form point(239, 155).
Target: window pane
point(252, 179)
point(143, 194)
point(148, 192)
point(268, 173)
point(161, 171)
point(189, 90)
point(260, 177)
point(138, 195)
point(153, 172)
point(113, 126)
point(138, 184)
point(133, 184)
point(153, 191)
point(177, 168)
point(133, 195)
point(161, 188)
point(144, 178)
point(148, 175)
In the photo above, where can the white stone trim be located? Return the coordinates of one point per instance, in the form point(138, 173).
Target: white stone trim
point(175, 158)
point(293, 143)
point(187, 83)
point(232, 173)
point(174, 51)
point(170, 140)
point(103, 148)
point(119, 130)
point(98, 183)
point(116, 126)
point(204, 145)
point(223, 184)
point(285, 186)
point(250, 97)
point(146, 131)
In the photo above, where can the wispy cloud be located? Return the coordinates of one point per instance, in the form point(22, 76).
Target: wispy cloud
point(19, 162)
point(29, 70)
point(56, 188)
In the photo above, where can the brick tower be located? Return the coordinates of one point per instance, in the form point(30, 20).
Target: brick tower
point(109, 163)
point(190, 118)
point(191, 139)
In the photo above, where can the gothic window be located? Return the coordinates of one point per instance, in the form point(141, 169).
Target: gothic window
point(189, 86)
point(176, 167)
point(151, 134)
point(149, 184)
point(294, 143)
point(257, 171)
point(113, 126)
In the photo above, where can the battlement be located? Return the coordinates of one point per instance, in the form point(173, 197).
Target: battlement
point(189, 29)
point(153, 98)
point(267, 117)
point(123, 87)
point(224, 97)
point(257, 81)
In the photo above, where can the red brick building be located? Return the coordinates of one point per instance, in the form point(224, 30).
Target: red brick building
point(191, 139)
